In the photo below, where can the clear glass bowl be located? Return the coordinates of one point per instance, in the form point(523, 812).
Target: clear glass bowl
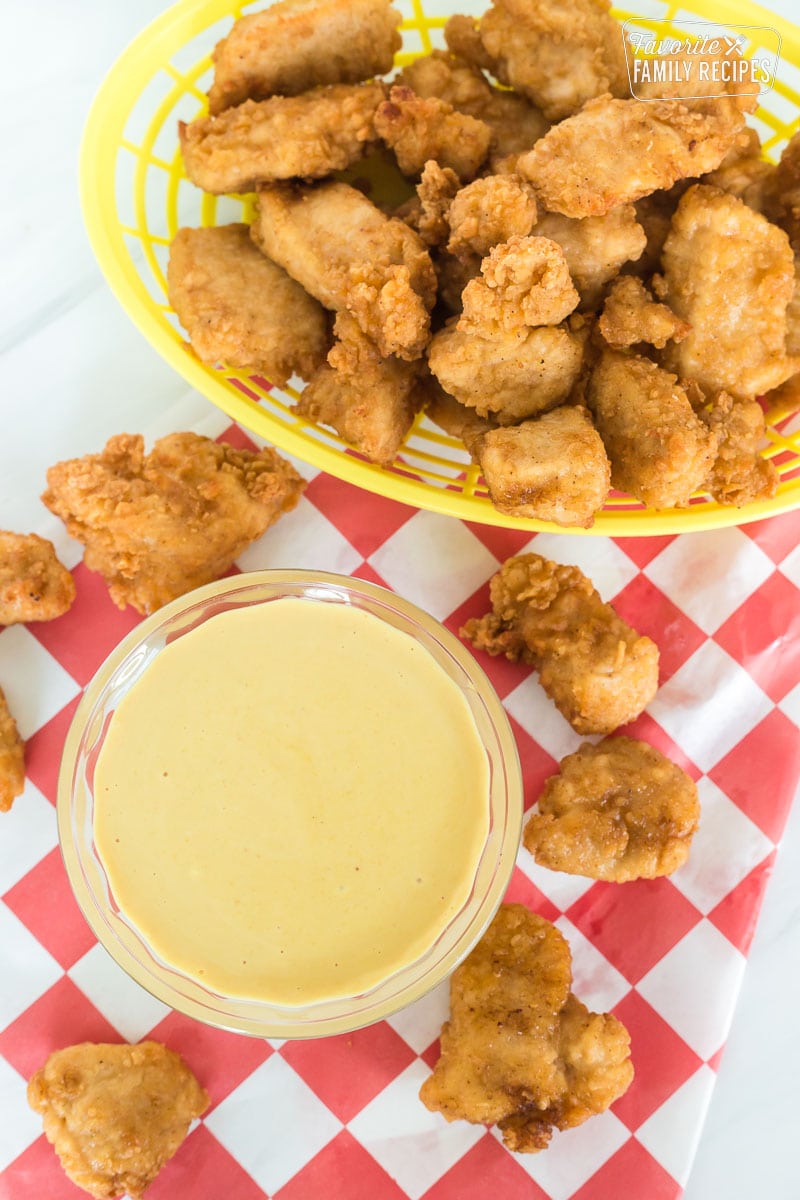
point(86, 873)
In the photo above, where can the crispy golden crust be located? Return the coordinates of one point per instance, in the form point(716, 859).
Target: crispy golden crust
point(616, 811)
point(349, 255)
point(524, 282)
point(630, 315)
point(12, 758)
point(487, 212)
point(157, 525)
point(660, 451)
point(519, 1049)
point(367, 398)
point(553, 468)
point(306, 136)
point(782, 193)
point(418, 129)
point(435, 192)
point(295, 45)
point(729, 273)
point(739, 475)
point(595, 247)
point(34, 586)
point(599, 671)
point(616, 151)
point(557, 55)
point(115, 1114)
point(240, 308)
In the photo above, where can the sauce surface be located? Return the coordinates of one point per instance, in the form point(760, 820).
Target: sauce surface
point(291, 802)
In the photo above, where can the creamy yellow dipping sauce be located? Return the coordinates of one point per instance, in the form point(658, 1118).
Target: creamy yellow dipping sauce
point(291, 802)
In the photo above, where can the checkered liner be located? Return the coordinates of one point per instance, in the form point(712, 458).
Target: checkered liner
point(340, 1117)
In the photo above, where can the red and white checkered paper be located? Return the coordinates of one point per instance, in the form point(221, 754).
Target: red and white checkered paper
point(340, 1117)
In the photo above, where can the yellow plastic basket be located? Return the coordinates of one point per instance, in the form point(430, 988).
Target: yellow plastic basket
point(135, 196)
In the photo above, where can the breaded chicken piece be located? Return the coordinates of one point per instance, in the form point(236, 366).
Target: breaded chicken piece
point(595, 247)
point(454, 418)
point(12, 758)
point(782, 193)
point(367, 398)
point(295, 45)
point(453, 274)
point(463, 38)
point(729, 273)
point(744, 172)
point(157, 525)
point(427, 213)
point(509, 376)
point(654, 214)
point(630, 315)
point(616, 811)
point(239, 307)
point(489, 211)
point(115, 1114)
point(34, 585)
point(660, 451)
point(349, 255)
point(524, 281)
point(557, 55)
point(285, 137)
point(514, 122)
point(552, 468)
point(616, 151)
point(418, 129)
point(519, 1050)
point(598, 671)
point(739, 474)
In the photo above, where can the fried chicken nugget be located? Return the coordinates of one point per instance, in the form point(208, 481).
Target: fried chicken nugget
point(616, 811)
point(739, 474)
point(241, 308)
point(557, 55)
point(115, 1114)
point(295, 45)
point(306, 136)
point(599, 672)
point(519, 1049)
point(489, 211)
point(34, 585)
point(659, 450)
point(729, 273)
point(782, 192)
point(435, 192)
point(367, 398)
point(418, 129)
point(12, 758)
point(349, 255)
point(630, 315)
point(525, 281)
point(595, 247)
point(157, 525)
point(552, 468)
point(616, 151)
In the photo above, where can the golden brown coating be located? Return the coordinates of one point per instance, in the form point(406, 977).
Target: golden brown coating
point(519, 1049)
point(12, 758)
point(419, 129)
point(489, 211)
point(34, 585)
point(463, 38)
point(739, 474)
point(524, 282)
point(510, 376)
point(616, 811)
point(599, 672)
point(367, 398)
point(615, 151)
point(660, 451)
point(744, 172)
point(454, 418)
point(552, 468)
point(729, 273)
point(295, 45)
point(349, 255)
point(306, 136)
point(557, 55)
point(157, 525)
point(115, 1114)
point(595, 247)
point(782, 192)
point(630, 315)
point(435, 192)
point(239, 307)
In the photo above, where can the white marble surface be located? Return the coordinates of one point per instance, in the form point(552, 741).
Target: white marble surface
point(69, 352)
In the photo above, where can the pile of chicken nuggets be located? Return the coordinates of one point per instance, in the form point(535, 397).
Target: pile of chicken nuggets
point(590, 289)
